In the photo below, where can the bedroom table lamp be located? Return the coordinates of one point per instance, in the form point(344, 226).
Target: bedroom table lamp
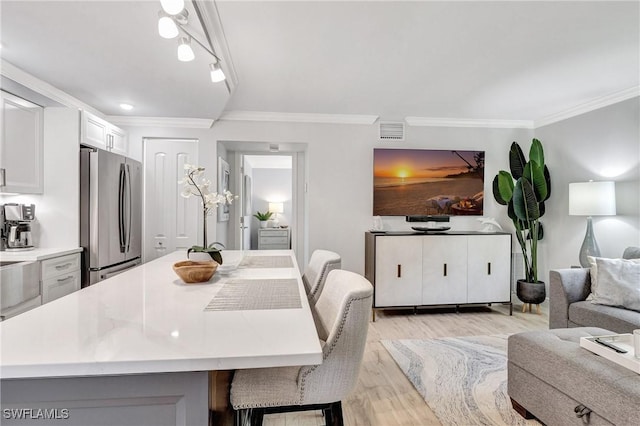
point(591, 199)
point(276, 208)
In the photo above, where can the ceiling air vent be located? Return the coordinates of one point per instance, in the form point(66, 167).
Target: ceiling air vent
point(392, 130)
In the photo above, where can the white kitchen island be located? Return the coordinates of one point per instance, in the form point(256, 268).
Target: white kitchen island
point(138, 348)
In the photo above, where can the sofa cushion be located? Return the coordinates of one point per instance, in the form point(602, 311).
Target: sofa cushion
point(555, 357)
point(587, 314)
point(618, 283)
point(631, 253)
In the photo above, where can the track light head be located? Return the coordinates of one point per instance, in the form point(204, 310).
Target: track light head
point(185, 52)
point(217, 75)
point(167, 27)
point(172, 7)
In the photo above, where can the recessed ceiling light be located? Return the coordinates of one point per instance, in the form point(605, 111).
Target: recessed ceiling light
point(126, 107)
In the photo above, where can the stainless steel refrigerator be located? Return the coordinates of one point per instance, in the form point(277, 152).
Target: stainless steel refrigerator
point(110, 214)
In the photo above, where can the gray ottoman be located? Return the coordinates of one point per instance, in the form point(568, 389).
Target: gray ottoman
point(551, 377)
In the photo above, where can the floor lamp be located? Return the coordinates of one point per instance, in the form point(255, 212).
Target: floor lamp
point(591, 199)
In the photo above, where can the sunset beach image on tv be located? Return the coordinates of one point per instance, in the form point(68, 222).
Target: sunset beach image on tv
point(427, 182)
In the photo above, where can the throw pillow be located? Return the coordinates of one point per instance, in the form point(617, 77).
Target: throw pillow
point(618, 283)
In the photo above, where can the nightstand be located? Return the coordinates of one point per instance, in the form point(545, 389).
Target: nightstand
point(273, 239)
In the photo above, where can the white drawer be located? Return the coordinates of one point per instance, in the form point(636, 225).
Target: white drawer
point(56, 287)
point(274, 240)
point(60, 265)
point(274, 233)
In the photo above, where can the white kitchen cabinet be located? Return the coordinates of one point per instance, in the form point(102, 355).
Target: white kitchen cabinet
point(60, 276)
point(399, 267)
point(456, 268)
point(101, 134)
point(21, 146)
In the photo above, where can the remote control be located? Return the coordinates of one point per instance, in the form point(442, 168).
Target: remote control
point(611, 346)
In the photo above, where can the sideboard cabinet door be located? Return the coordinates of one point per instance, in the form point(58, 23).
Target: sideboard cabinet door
point(489, 269)
point(398, 271)
point(444, 269)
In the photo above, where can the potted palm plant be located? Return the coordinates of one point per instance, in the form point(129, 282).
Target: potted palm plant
point(524, 192)
point(263, 218)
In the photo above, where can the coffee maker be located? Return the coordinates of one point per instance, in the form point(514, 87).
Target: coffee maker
point(15, 221)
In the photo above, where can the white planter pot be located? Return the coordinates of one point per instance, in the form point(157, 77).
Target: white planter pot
point(263, 224)
point(198, 256)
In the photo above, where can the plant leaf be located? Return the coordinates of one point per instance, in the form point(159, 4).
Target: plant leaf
point(547, 178)
point(503, 187)
point(516, 161)
point(215, 255)
point(535, 175)
point(525, 204)
point(536, 153)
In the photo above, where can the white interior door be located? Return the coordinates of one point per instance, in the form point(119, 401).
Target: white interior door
point(171, 221)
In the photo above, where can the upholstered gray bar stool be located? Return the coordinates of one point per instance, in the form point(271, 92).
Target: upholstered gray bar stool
point(315, 274)
point(342, 320)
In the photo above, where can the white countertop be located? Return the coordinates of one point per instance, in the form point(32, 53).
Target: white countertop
point(37, 254)
point(147, 320)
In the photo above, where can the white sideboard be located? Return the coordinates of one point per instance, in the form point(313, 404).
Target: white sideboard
point(273, 239)
point(455, 268)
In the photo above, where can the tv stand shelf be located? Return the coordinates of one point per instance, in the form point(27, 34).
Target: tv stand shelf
point(414, 269)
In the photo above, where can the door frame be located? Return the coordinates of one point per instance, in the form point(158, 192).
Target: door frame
point(299, 201)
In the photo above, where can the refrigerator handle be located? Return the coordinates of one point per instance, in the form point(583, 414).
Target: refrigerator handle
point(121, 208)
point(129, 212)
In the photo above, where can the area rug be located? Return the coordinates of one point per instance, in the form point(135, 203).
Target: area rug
point(462, 379)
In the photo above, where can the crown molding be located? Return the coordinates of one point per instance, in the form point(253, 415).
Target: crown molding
point(589, 106)
point(189, 123)
point(468, 122)
point(295, 117)
point(31, 82)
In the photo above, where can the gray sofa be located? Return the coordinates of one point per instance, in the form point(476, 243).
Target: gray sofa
point(568, 290)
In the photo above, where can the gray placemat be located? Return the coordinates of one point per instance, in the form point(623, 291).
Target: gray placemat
point(243, 295)
point(266, 262)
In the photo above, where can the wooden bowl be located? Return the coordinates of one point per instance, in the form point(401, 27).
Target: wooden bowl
point(195, 272)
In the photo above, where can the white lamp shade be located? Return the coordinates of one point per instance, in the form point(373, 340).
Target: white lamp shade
point(592, 199)
point(185, 52)
point(276, 207)
point(167, 28)
point(172, 7)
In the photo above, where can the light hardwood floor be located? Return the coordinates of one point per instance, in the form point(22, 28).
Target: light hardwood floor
point(384, 396)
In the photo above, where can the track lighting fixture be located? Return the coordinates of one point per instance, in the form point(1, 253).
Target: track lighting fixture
point(217, 75)
point(172, 7)
point(172, 20)
point(185, 52)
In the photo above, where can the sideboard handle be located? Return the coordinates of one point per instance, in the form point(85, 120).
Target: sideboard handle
point(445, 269)
point(488, 268)
point(399, 271)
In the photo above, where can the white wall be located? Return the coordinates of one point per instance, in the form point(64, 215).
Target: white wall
point(340, 178)
point(57, 208)
point(340, 175)
point(601, 145)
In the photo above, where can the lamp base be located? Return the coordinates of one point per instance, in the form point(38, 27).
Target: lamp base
point(589, 245)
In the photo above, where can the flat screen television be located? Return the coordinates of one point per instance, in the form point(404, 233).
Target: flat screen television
point(427, 182)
